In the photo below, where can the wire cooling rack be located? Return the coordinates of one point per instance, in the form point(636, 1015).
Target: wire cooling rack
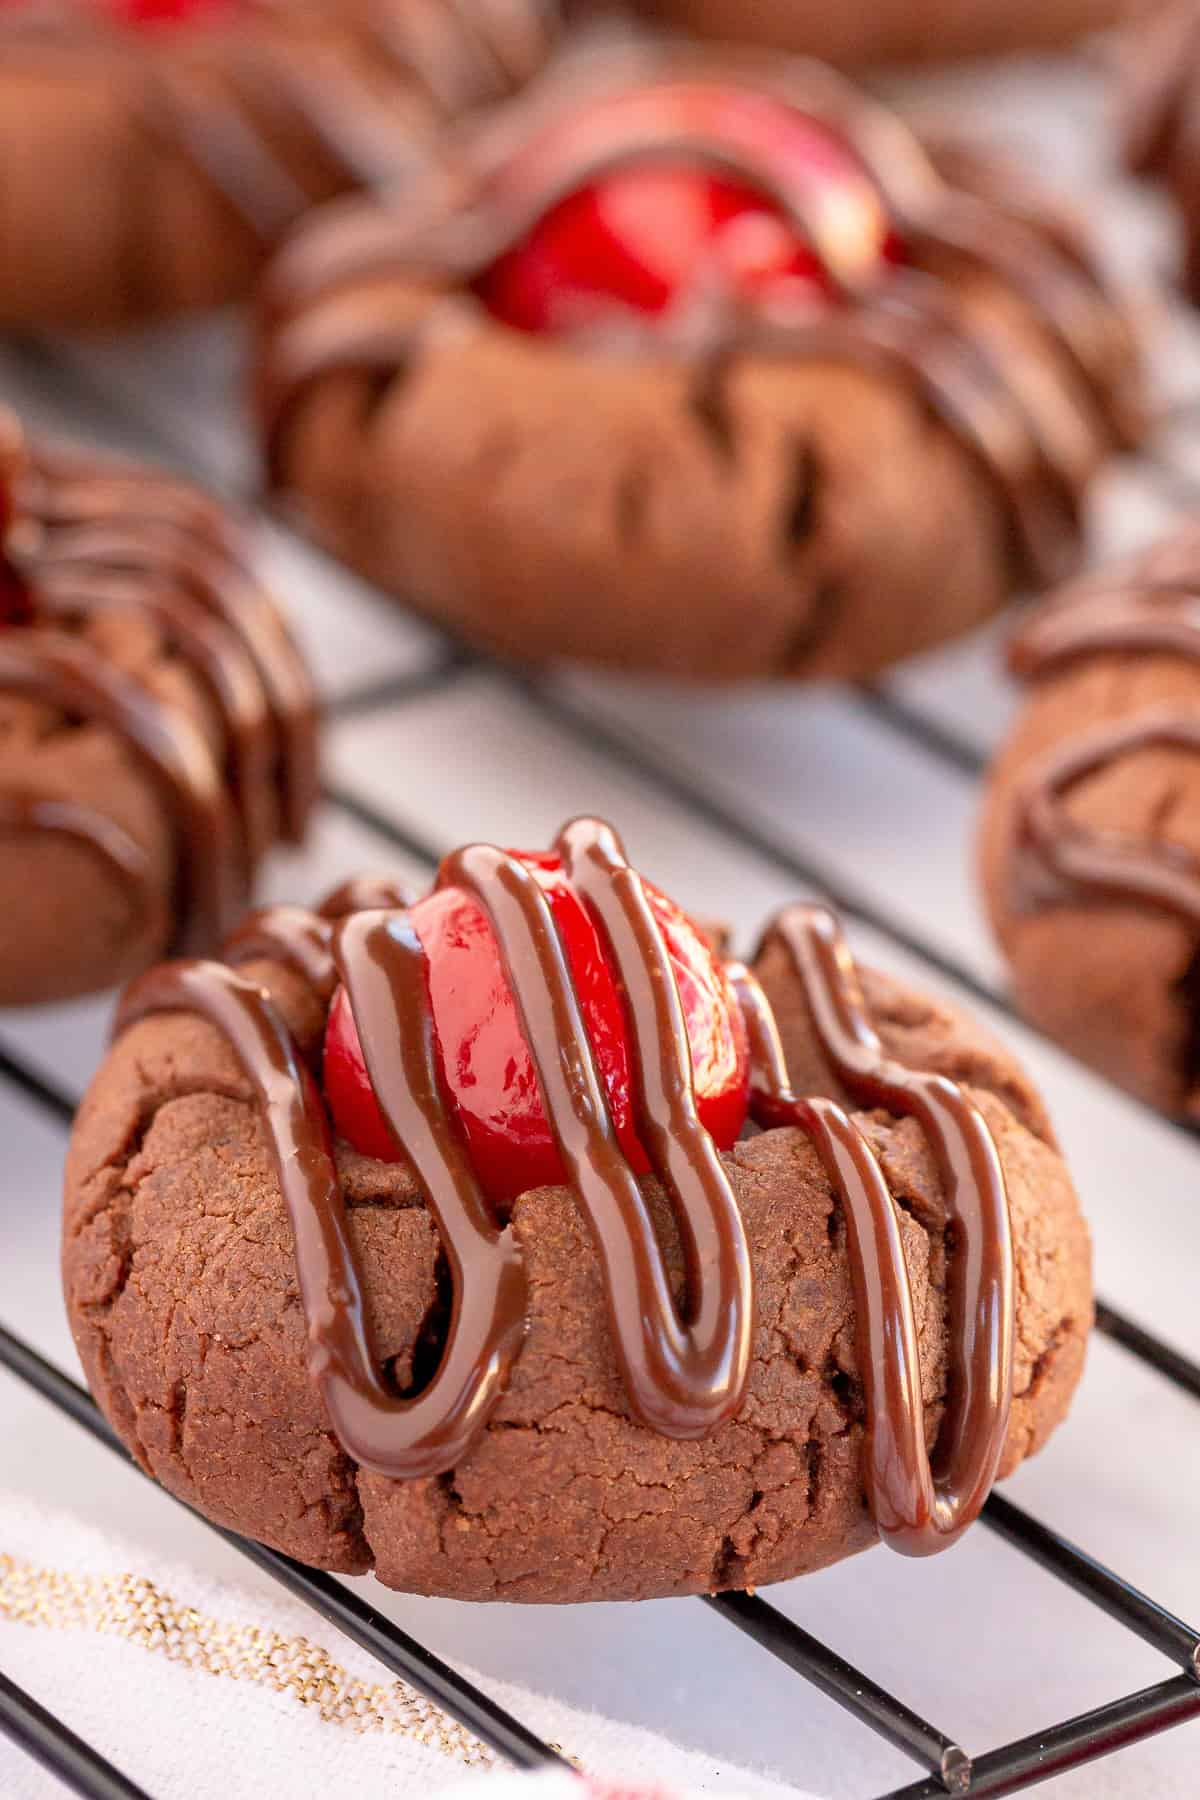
point(736, 803)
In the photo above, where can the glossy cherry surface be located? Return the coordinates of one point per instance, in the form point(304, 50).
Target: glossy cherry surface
point(700, 191)
point(485, 1062)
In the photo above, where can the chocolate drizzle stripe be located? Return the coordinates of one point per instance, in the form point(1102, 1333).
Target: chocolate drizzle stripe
point(920, 1504)
point(912, 331)
point(63, 489)
point(349, 334)
point(424, 38)
point(382, 964)
point(366, 893)
point(125, 860)
point(159, 540)
point(380, 1429)
point(210, 649)
point(1060, 862)
point(714, 1356)
point(218, 134)
point(291, 935)
point(52, 668)
point(682, 1378)
point(1065, 296)
point(1151, 606)
point(1141, 619)
point(515, 39)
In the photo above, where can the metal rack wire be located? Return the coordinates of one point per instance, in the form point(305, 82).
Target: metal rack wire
point(946, 1765)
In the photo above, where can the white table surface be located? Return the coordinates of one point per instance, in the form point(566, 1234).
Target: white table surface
point(733, 804)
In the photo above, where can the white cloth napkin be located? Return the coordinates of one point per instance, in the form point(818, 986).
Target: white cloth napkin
point(201, 1688)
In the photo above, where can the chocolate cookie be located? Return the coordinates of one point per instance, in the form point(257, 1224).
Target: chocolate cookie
point(147, 170)
point(1161, 116)
point(1091, 829)
point(696, 364)
point(616, 1313)
point(157, 724)
point(928, 30)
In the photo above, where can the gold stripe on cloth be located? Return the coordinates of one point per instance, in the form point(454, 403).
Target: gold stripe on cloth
point(133, 1608)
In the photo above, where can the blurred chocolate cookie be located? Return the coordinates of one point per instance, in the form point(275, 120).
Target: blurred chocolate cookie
point(698, 364)
point(157, 724)
point(1090, 845)
point(148, 168)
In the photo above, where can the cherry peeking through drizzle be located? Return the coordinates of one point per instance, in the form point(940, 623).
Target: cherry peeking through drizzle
point(485, 1063)
point(660, 226)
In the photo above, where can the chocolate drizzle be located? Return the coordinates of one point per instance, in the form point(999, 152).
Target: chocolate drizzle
point(682, 1379)
point(1057, 860)
point(290, 935)
point(365, 289)
point(24, 814)
point(377, 1427)
point(919, 1506)
point(93, 540)
point(1143, 618)
point(1060, 862)
point(685, 1367)
point(52, 668)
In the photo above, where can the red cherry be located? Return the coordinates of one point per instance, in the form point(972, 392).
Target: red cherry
point(646, 236)
point(168, 12)
point(148, 12)
point(485, 1062)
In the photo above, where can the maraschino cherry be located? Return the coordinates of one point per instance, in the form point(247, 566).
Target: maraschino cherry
point(486, 1067)
point(662, 228)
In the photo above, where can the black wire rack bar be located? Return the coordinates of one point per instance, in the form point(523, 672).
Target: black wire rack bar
point(853, 1690)
point(57, 1748)
point(1083, 1739)
point(1169, 1362)
point(884, 703)
point(51, 1098)
point(1113, 1595)
point(370, 1629)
